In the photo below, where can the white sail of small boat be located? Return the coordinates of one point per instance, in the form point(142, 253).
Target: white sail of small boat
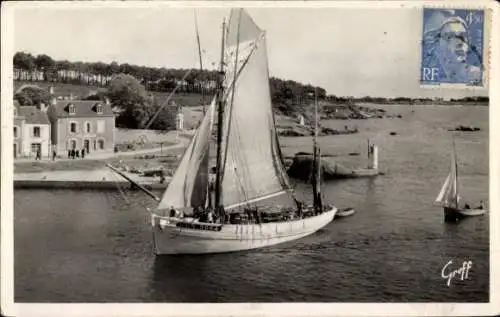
point(449, 197)
point(239, 213)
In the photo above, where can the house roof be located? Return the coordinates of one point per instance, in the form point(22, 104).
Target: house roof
point(33, 115)
point(83, 108)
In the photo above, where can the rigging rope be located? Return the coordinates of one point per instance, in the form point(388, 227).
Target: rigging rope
point(122, 193)
point(167, 100)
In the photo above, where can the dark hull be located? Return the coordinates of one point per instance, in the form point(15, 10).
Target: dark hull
point(453, 214)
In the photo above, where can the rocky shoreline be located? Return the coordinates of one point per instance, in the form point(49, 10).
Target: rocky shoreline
point(464, 128)
point(301, 124)
point(298, 130)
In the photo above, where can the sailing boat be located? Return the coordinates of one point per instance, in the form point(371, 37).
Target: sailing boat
point(449, 197)
point(239, 210)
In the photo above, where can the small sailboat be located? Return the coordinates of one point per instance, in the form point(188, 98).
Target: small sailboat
point(236, 209)
point(449, 197)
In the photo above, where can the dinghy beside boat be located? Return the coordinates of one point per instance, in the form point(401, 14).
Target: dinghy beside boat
point(345, 212)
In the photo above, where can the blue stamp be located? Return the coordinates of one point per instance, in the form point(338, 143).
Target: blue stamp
point(452, 47)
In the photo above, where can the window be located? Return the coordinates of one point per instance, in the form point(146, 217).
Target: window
point(72, 127)
point(100, 126)
point(15, 132)
point(99, 108)
point(72, 109)
point(101, 144)
point(36, 132)
point(88, 127)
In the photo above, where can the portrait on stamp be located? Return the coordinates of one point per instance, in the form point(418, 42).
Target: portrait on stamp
point(452, 47)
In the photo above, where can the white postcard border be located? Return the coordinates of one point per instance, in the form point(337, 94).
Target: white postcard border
point(9, 308)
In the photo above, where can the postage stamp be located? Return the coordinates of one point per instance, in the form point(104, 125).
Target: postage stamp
point(453, 47)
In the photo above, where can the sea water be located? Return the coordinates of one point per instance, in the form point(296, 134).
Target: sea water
point(96, 246)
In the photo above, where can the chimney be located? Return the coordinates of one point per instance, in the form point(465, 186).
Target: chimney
point(53, 99)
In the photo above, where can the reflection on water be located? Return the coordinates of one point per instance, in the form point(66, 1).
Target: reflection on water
point(95, 246)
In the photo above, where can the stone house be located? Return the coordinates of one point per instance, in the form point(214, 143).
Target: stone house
point(82, 124)
point(32, 131)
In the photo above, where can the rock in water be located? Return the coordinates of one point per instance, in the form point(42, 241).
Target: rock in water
point(302, 164)
point(294, 131)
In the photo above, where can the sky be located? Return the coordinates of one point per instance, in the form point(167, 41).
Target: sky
point(348, 51)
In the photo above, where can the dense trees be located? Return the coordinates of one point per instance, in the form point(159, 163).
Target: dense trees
point(43, 67)
point(136, 107)
point(31, 96)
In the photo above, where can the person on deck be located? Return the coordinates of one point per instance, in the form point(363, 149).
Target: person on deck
point(172, 211)
point(467, 206)
point(210, 216)
point(83, 153)
point(481, 205)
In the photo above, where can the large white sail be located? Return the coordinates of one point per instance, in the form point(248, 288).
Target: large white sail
point(448, 195)
point(251, 162)
point(189, 185)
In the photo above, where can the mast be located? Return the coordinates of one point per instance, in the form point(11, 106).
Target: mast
point(318, 206)
point(220, 116)
point(456, 174)
point(201, 60)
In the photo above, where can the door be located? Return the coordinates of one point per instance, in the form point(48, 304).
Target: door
point(86, 146)
point(36, 148)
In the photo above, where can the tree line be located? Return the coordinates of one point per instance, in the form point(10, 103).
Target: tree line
point(42, 67)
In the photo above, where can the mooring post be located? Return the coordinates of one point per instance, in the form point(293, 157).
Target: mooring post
point(375, 157)
point(369, 155)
